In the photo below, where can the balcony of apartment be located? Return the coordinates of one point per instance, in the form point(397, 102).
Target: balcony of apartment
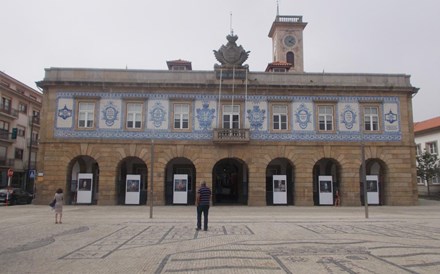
point(8, 112)
point(5, 136)
point(7, 162)
point(231, 136)
point(33, 142)
point(34, 121)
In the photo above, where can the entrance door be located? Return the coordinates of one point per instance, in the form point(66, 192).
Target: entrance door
point(229, 182)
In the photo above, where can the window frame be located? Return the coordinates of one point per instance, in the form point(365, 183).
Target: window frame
point(22, 107)
point(428, 147)
point(240, 116)
point(92, 102)
point(128, 112)
point(364, 116)
point(18, 153)
point(181, 120)
point(332, 105)
point(272, 106)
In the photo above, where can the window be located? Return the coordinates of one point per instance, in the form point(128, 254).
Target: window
point(290, 58)
point(181, 116)
point(231, 116)
point(21, 131)
point(19, 154)
point(419, 149)
point(134, 115)
point(371, 118)
point(86, 113)
point(279, 70)
point(325, 117)
point(22, 107)
point(5, 104)
point(431, 147)
point(279, 117)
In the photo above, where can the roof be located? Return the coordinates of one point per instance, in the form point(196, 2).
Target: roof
point(426, 125)
point(278, 64)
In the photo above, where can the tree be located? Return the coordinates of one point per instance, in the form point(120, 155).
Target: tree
point(427, 165)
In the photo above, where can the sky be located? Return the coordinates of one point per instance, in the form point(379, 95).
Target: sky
point(342, 36)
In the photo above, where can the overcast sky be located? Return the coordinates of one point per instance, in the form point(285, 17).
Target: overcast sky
point(347, 36)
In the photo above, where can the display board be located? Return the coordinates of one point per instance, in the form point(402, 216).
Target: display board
point(180, 189)
point(325, 184)
point(85, 188)
point(279, 189)
point(373, 189)
point(132, 189)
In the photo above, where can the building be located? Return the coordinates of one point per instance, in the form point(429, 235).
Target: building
point(20, 108)
point(427, 137)
point(282, 136)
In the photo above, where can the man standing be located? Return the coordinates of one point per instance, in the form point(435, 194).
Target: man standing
point(203, 200)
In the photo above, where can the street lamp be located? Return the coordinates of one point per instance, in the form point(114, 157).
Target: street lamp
point(364, 173)
point(151, 174)
point(33, 117)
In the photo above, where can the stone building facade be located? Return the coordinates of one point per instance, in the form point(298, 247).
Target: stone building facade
point(233, 128)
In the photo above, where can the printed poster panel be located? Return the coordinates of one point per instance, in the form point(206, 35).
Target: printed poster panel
point(279, 189)
point(85, 185)
point(373, 189)
point(132, 189)
point(325, 185)
point(180, 189)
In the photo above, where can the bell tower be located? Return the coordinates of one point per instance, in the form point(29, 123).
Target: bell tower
point(287, 41)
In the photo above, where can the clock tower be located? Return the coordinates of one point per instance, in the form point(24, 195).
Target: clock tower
point(287, 41)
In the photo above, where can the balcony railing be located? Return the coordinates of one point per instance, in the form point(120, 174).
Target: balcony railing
point(9, 111)
point(231, 136)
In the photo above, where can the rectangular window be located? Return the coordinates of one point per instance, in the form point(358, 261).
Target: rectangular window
point(181, 116)
point(371, 118)
point(431, 147)
point(5, 104)
point(134, 115)
point(4, 130)
point(279, 117)
point(325, 117)
point(19, 154)
point(86, 114)
point(21, 131)
point(419, 149)
point(22, 107)
point(231, 116)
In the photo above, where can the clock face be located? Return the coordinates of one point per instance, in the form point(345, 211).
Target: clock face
point(289, 41)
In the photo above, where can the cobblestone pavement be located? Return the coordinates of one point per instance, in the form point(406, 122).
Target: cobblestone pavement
point(279, 239)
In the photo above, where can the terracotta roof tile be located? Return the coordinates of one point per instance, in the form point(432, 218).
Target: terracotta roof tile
point(427, 124)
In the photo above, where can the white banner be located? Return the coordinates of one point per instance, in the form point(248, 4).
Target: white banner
point(85, 188)
point(279, 189)
point(325, 185)
point(132, 189)
point(180, 189)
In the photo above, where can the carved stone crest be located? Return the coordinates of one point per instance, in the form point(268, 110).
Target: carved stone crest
point(231, 54)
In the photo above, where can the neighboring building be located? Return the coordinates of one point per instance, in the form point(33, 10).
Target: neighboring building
point(427, 138)
point(19, 129)
point(284, 136)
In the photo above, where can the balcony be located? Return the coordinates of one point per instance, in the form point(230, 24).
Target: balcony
point(9, 112)
point(231, 136)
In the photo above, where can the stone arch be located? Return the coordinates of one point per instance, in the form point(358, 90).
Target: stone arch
point(376, 166)
point(81, 164)
point(180, 165)
point(326, 167)
point(230, 178)
point(280, 166)
point(131, 165)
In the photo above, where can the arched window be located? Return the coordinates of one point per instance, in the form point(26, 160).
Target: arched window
point(290, 58)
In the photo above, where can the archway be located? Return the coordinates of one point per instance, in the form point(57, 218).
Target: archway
point(374, 167)
point(180, 166)
point(330, 168)
point(280, 166)
point(230, 182)
point(80, 165)
point(131, 166)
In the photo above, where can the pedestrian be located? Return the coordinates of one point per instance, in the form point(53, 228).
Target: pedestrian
point(58, 206)
point(203, 201)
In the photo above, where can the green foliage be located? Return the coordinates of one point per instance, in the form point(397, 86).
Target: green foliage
point(427, 165)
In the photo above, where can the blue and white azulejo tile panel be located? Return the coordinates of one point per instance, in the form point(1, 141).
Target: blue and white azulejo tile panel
point(110, 114)
point(205, 115)
point(303, 117)
point(256, 116)
point(348, 117)
point(157, 114)
point(65, 113)
point(391, 117)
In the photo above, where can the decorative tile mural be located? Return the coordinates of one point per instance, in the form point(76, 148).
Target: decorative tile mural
point(256, 115)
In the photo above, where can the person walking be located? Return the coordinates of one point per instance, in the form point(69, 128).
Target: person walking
point(203, 201)
point(58, 206)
